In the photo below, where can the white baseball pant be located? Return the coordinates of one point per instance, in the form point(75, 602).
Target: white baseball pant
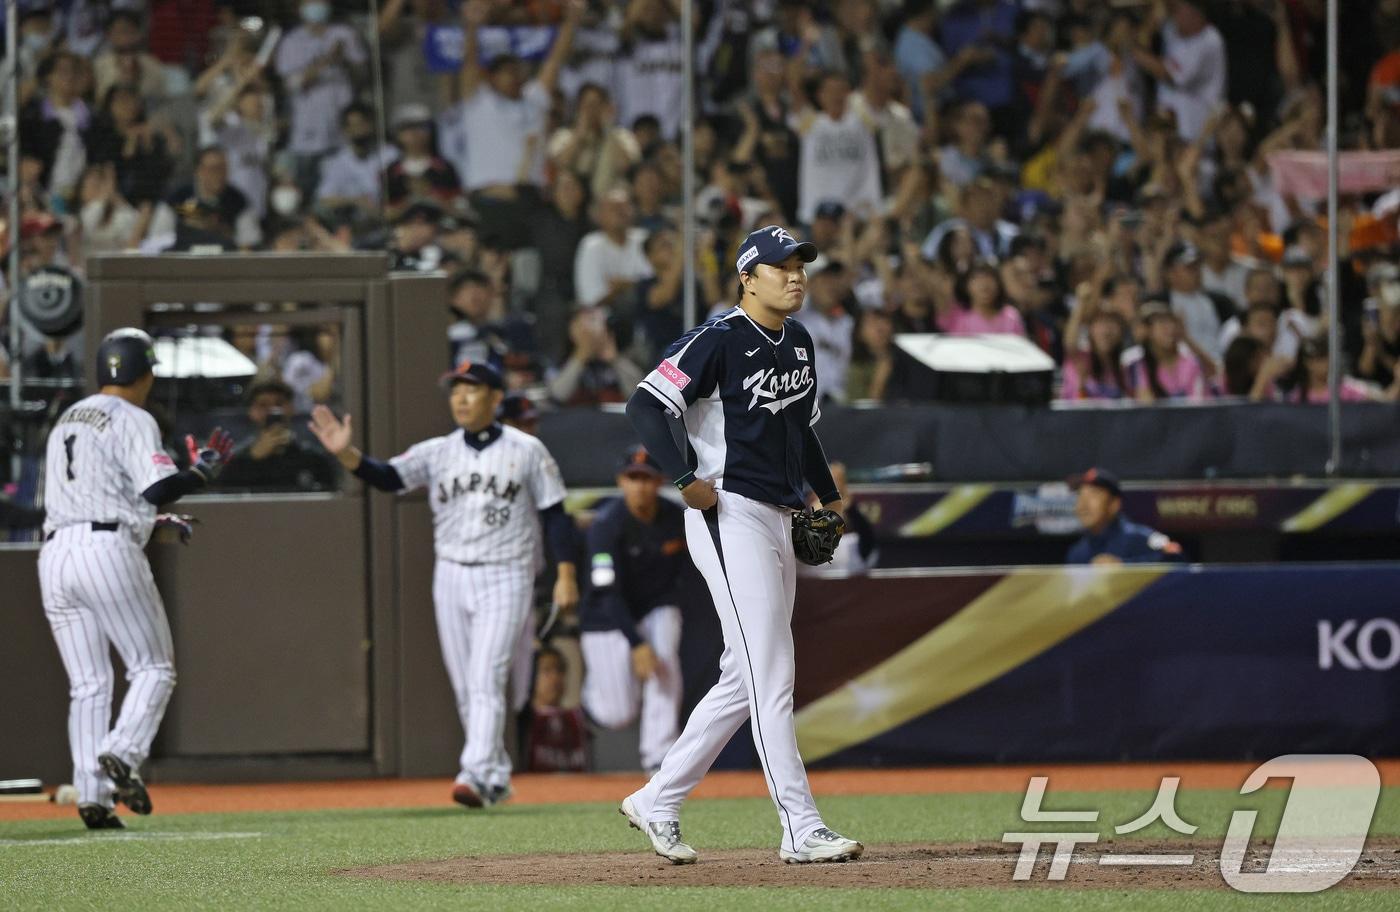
point(98, 592)
point(612, 695)
point(522, 664)
point(744, 550)
point(480, 610)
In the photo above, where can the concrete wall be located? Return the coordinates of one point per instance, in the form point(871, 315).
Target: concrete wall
point(271, 631)
point(34, 709)
point(271, 642)
point(304, 632)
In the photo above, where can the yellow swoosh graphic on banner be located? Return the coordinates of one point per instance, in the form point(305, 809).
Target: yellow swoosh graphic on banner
point(952, 507)
point(1328, 507)
point(1011, 623)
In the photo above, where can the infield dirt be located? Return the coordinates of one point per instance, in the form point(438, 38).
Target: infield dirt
point(937, 866)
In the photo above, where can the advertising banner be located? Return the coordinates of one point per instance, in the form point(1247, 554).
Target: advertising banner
point(988, 510)
point(1088, 663)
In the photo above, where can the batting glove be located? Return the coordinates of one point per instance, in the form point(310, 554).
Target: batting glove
point(180, 522)
point(209, 460)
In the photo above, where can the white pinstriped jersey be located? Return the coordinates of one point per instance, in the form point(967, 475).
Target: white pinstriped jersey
point(485, 502)
point(101, 455)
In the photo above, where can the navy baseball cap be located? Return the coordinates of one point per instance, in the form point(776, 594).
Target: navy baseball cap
point(772, 244)
point(474, 372)
point(1099, 478)
point(637, 461)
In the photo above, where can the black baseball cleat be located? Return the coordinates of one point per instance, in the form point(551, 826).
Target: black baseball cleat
point(469, 795)
point(97, 817)
point(131, 791)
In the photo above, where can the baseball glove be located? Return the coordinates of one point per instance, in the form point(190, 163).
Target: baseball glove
point(815, 535)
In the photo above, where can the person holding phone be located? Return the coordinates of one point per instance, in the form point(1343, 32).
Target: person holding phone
point(273, 459)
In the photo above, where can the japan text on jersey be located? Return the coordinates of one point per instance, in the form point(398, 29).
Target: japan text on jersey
point(484, 498)
point(746, 395)
point(102, 453)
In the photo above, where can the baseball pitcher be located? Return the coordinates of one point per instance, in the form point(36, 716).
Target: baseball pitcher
point(744, 385)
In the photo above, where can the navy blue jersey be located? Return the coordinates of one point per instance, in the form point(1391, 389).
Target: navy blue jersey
point(633, 566)
point(1129, 542)
point(747, 396)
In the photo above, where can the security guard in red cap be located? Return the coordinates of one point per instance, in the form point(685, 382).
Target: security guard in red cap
point(1110, 537)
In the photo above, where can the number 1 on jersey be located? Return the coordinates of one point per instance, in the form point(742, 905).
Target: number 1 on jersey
point(68, 448)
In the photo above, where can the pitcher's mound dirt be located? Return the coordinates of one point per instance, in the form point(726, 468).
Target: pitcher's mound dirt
point(911, 866)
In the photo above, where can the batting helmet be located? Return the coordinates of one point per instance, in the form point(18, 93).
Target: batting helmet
point(125, 356)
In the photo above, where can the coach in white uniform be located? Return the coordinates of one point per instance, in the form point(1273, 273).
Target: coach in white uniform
point(491, 488)
point(744, 383)
point(105, 473)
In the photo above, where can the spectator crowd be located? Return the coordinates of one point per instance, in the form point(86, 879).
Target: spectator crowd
point(1126, 185)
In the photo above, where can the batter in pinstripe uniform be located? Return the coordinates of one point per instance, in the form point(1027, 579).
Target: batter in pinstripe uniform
point(105, 473)
point(491, 488)
point(631, 618)
point(744, 383)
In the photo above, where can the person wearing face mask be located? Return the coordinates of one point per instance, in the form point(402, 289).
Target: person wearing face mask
point(36, 38)
point(419, 170)
point(317, 62)
point(284, 199)
point(350, 177)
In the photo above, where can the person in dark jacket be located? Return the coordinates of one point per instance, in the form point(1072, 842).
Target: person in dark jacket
point(273, 459)
point(54, 126)
point(122, 135)
point(1110, 537)
point(631, 616)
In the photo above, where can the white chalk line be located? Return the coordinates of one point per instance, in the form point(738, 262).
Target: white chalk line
point(104, 838)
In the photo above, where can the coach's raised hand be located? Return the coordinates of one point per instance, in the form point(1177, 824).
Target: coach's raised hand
point(335, 435)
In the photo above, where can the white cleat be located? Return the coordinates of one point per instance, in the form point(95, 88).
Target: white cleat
point(665, 836)
point(823, 845)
